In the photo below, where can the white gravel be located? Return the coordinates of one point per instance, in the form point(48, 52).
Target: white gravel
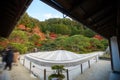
point(99, 71)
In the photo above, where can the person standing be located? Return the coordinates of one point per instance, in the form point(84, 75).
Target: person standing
point(9, 58)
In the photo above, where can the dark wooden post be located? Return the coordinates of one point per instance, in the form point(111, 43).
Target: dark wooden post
point(96, 59)
point(67, 74)
point(30, 66)
point(81, 68)
point(89, 63)
point(44, 74)
point(23, 61)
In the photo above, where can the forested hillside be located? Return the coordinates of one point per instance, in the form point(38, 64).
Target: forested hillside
point(52, 34)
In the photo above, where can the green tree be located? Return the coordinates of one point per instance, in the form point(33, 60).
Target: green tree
point(34, 38)
point(60, 29)
point(58, 72)
point(78, 43)
point(18, 36)
point(62, 26)
point(88, 33)
point(61, 42)
point(96, 44)
point(29, 21)
point(19, 47)
point(47, 45)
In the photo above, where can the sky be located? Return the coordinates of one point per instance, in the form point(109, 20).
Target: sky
point(42, 11)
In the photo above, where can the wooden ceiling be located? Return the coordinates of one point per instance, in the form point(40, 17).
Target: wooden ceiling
point(10, 13)
point(102, 16)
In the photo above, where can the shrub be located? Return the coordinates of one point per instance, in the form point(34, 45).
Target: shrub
point(19, 47)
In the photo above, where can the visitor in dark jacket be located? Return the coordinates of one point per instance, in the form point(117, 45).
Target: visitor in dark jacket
point(9, 58)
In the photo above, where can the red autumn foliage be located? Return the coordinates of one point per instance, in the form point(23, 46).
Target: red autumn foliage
point(37, 31)
point(98, 37)
point(4, 43)
point(53, 35)
point(22, 27)
point(38, 44)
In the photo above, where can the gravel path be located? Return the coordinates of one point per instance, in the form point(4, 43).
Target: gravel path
point(20, 73)
point(99, 71)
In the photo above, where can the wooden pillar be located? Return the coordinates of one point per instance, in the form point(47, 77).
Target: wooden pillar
point(23, 61)
point(96, 58)
point(81, 68)
point(67, 74)
point(30, 66)
point(44, 74)
point(89, 63)
point(115, 55)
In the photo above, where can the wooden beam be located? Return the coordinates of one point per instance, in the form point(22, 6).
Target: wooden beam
point(99, 13)
point(104, 20)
